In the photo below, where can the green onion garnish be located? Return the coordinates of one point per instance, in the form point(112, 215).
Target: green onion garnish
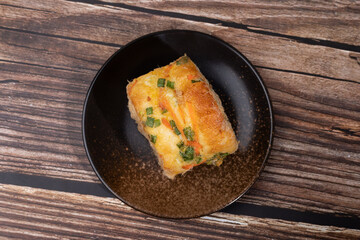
point(157, 123)
point(149, 111)
point(182, 60)
point(216, 157)
point(188, 155)
point(150, 122)
point(164, 111)
point(180, 144)
point(176, 130)
point(153, 138)
point(189, 133)
point(174, 127)
point(161, 82)
point(172, 123)
point(198, 159)
point(196, 80)
point(222, 155)
point(170, 84)
point(212, 159)
point(190, 151)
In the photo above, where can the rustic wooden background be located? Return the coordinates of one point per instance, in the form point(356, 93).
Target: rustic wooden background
point(308, 53)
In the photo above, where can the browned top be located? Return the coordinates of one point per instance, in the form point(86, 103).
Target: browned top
point(211, 122)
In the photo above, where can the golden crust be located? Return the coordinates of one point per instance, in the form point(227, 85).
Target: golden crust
point(191, 104)
point(213, 124)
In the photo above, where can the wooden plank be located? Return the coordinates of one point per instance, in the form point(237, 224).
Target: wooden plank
point(50, 214)
point(118, 25)
point(333, 20)
point(41, 133)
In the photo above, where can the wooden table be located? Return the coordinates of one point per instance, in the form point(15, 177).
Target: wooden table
point(308, 54)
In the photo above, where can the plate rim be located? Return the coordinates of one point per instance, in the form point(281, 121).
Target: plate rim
point(235, 51)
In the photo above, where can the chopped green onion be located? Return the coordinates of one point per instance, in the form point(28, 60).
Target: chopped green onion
point(223, 155)
point(174, 127)
point(176, 130)
point(172, 123)
point(149, 111)
point(188, 155)
point(161, 82)
point(164, 111)
point(198, 159)
point(180, 144)
point(182, 60)
point(153, 138)
point(157, 123)
point(216, 157)
point(150, 122)
point(212, 159)
point(184, 156)
point(170, 84)
point(189, 133)
point(190, 151)
point(196, 80)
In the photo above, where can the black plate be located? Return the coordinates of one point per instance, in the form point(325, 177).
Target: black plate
point(122, 157)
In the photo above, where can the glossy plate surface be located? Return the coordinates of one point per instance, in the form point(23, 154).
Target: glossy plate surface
point(122, 157)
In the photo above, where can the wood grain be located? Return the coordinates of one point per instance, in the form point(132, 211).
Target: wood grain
point(307, 54)
point(332, 21)
point(51, 214)
point(117, 25)
point(45, 94)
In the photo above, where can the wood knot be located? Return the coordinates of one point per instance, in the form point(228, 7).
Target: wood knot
point(355, 56)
